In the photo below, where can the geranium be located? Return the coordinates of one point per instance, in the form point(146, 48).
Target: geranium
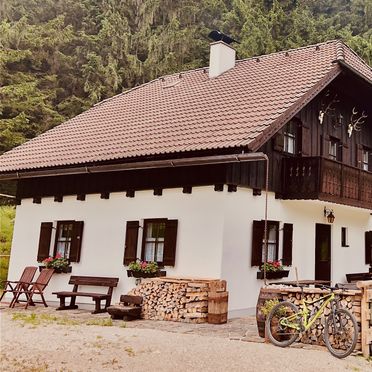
point(57, 262)
point(149, 267)
point(271, 266)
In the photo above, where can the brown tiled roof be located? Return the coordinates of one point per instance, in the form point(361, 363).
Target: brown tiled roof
point(189, 112)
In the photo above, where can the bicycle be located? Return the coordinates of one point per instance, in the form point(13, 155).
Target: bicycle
point(285, 322)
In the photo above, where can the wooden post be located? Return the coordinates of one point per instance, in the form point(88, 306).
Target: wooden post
point(366, 316)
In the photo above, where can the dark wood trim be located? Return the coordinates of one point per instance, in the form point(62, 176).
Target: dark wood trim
point(105, 195)
point(80, 197)
point(36, 200)
point(158, 192)
point(256, 192)
point(130, 194)
point(187, 190)
point(58, 198)
point(218, 187)
point(232, 188)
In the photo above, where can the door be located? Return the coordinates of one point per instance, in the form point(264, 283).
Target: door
point(323, 252)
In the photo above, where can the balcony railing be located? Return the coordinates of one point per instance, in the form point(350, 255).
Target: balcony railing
point(328, 180)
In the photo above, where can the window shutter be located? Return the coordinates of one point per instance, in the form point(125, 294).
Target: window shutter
point(359, 156)
point(44, 240)
point(257, 238)
point(325, 147)
point(287, 244)
point(170, 242)
point(77, 235)
point(305, 140)
point(279, 142)
point(131, 239)
point(368, 243)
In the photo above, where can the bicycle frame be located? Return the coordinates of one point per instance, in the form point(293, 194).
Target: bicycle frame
point(304, 313)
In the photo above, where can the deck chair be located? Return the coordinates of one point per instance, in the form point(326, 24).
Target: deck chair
point(13, 286)
point(33, 288)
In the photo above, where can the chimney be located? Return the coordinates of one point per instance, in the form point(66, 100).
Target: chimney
point(222, 55)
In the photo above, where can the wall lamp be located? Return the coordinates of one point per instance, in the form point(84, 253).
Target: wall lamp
point(329, 214)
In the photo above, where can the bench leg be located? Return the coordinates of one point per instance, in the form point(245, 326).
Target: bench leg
point(62, 304)
point(98, 307)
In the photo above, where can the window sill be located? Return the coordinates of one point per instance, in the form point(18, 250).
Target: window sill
point(273, 274)
point(137, 274)
point(59, 271)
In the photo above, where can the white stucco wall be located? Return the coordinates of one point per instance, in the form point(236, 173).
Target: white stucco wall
point(214, 236)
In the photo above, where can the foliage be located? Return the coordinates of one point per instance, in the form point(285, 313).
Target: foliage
point(149, 267)
point(57, 58)
point(57, 262)
point(268, 306)
point(272, 266)
point(7, 214)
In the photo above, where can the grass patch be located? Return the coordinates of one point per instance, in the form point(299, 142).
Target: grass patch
point(42, 319)
point(129, 350)
point(100, 322)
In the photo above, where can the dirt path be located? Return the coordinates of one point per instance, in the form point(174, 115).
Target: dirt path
point(50, 342)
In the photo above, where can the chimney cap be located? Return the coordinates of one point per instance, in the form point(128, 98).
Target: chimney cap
point(219, 36)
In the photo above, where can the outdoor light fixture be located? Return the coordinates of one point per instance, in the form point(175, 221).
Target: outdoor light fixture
point(329, 214)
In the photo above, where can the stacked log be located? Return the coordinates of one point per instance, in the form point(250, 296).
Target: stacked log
point(182, 300)
point(350, 300)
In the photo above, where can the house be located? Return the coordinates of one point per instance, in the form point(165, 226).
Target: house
point(174, 171)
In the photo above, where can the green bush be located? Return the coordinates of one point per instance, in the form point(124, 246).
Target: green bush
point(7, 214)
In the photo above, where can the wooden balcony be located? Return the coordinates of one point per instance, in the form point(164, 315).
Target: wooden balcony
point(324, 179)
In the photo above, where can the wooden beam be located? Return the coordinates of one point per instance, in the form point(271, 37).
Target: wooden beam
point(105, 195)
point(232, 188)
point(158, 192)
point(187, 189)
point(80, 197)
point(130, 194)
point(218, 187)
point(36, 200)
point(58, 198)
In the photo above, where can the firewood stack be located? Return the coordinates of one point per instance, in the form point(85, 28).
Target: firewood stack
point(176, 299)
point(351, 302)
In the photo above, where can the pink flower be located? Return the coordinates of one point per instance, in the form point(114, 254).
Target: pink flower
point(58, 255)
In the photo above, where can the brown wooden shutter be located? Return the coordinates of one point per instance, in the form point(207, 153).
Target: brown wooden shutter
point(359, 158)
point(287, 244)
point(325, 146)
point(279, 142)
point(368, 247)
point(131, 240)
point(76, 239)
point(257, 238)
point(305, 140)
point(170, 242)
point(44, 240)
point(346, 154)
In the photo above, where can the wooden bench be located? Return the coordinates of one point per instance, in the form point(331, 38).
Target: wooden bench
point(97, 297)
point(130, 308)
point(355, 277)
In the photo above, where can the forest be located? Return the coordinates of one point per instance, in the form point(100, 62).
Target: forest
point(59, 57)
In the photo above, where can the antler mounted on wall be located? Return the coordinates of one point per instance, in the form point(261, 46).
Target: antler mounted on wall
point(327, 106)
point(355, 122)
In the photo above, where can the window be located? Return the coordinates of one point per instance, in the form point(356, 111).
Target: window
point(63, 238)
point(335, 149)
point(68, 238)
point(158, 243)
point(153, 240)
point(344, 237)
point(258, 243)
point(272, 241)
point(290, 134)
point(367, 160)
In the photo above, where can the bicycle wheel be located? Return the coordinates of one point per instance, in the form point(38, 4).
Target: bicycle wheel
point(341, 333)
point(277, 329)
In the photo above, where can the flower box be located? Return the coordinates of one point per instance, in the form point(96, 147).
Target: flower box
point(64, 270)
point(273, 274)
point(141, 274)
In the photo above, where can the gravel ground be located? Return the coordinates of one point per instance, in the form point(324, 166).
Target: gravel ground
point(51, 341)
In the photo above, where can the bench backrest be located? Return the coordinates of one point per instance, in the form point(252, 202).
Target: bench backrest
point(102, 281)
